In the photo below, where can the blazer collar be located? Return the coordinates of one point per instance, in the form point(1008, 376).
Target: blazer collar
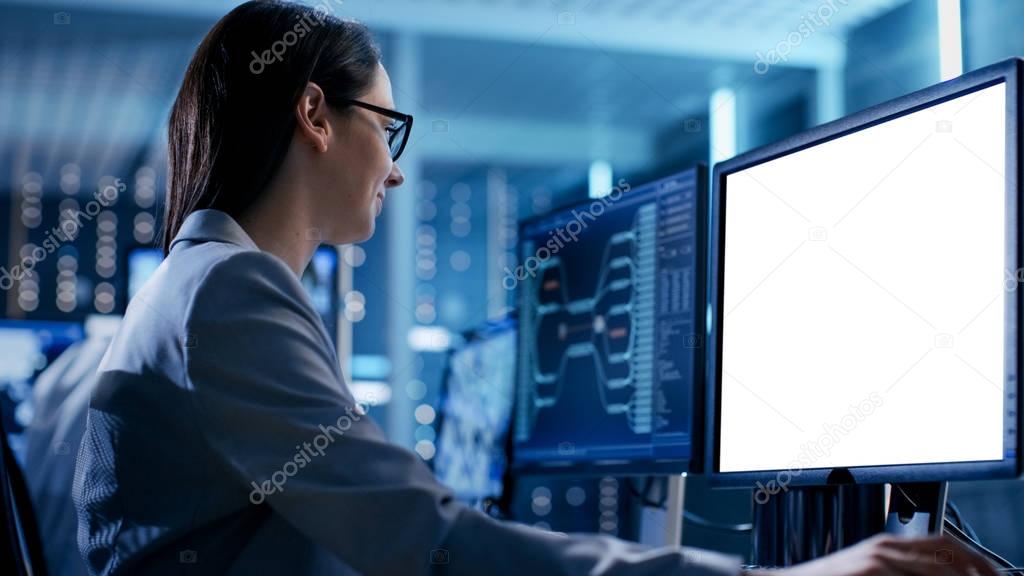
point(209, 225)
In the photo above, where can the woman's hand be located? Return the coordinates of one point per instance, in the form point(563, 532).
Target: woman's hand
point(886, 555)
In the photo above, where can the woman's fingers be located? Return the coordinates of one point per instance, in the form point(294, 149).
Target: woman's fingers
point(938, 554)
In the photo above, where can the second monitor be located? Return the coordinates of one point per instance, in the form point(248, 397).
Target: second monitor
point(865, 295)
point(611, 332)
point(474, 415)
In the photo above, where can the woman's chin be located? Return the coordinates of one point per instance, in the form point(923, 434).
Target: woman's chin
point(366, 232)
point(354, 233)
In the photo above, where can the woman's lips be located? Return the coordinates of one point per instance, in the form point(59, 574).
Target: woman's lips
point(380, 202)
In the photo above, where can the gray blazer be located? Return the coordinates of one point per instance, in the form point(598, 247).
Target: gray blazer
point(222, 439)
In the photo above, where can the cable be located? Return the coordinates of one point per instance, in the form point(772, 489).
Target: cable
point(961, 536)
point(961, 521)
point(965, 532)
point(644, 497)
point(701, 521)
point(954, 512)
point(965, 535)
point(964, 539)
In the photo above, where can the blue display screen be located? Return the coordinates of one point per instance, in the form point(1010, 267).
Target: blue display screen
point(27, 347)
point(609, 330)
point(475, 412)
point(142, 263)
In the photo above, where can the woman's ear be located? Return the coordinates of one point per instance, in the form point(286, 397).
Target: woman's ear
point(311, 117)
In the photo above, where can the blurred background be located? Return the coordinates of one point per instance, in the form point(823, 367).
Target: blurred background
point(520, 106)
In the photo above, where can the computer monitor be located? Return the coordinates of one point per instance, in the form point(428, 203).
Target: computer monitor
point(142, 263)
point(475, 414)
point(611, 328)
point(320, 279)
point(865, 294)
point(27, 347)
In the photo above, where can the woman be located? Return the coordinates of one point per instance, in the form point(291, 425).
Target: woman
point(222, 438)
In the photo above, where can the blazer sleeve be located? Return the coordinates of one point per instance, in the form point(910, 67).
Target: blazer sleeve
point(270, 399)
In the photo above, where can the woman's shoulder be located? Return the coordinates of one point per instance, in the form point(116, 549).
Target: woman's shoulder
point(233, 269)
point(238, 284)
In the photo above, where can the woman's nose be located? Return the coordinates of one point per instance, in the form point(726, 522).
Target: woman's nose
point(396, 178)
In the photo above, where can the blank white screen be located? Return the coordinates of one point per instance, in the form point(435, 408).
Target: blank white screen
point(864, 296)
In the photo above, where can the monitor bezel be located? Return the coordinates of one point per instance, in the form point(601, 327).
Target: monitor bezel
point(1008, 72)
point(636, 467)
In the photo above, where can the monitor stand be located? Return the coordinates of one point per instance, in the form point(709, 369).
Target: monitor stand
point(803, 523)
point(916, 509)
point(674, 507)
point(664, 527)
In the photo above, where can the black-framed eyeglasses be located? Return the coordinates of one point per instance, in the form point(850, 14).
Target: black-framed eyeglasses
point(398, 131)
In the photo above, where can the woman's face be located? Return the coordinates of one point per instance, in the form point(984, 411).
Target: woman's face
point(358, 167)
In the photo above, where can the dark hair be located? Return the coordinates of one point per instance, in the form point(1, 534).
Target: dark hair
point(234, 117)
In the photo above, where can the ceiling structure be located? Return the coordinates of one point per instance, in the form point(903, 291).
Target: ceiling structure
point(518, 81)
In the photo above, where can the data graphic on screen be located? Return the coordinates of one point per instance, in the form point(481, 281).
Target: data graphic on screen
point(475, 412)
point(610, 327)
point(864, 296)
